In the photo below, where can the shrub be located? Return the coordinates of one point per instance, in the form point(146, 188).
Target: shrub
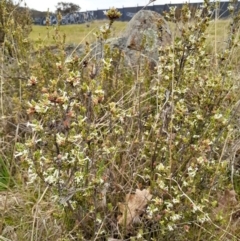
point(133, 156)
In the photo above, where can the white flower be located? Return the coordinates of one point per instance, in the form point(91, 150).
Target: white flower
point(175, 217)
point(169, 205)
point(21, 153)
point(200, 160)
point(104, 28)
point(107, 63)
point(175, 200)
point(35, 127)
point(78, 177)
point(217, 116)
point(230, 7)
point(170, 227)
point(188, 14)
point(160, 167)
point(199, 117)
point(203, 218)
point(162, 185)
point(32, 176)
point(192, 39)
point(192, 172)
point(52, 178)
point(68, 59)
point(166, 77)
point(60, 139)
point(32, 81)
point(98, 220)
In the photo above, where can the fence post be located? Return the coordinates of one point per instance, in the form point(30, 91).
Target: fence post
point(123, 14)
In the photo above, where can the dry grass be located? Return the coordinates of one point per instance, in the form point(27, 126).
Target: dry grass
point(28, 214)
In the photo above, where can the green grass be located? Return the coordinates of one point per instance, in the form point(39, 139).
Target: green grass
point(218, 33)
point(4, 175)
point(74, 33)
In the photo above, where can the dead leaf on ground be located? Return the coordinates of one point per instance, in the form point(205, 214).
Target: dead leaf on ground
point(228, 199)
point(226, 202)
point(133, 207)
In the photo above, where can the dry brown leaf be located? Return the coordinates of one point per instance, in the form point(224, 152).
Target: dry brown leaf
point(228, 209)
point(229, 199)
point(133, 207)
point(226, 202)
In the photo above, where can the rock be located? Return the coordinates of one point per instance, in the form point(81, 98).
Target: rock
point(149, 24)
point(144, 34)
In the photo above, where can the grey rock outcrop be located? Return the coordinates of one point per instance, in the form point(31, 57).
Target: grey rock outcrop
point(144, 34)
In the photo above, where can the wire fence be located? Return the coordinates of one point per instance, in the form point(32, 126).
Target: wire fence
point(127, 13)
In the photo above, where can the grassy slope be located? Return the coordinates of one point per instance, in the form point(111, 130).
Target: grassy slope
point(74, 33)
point(78, 32)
